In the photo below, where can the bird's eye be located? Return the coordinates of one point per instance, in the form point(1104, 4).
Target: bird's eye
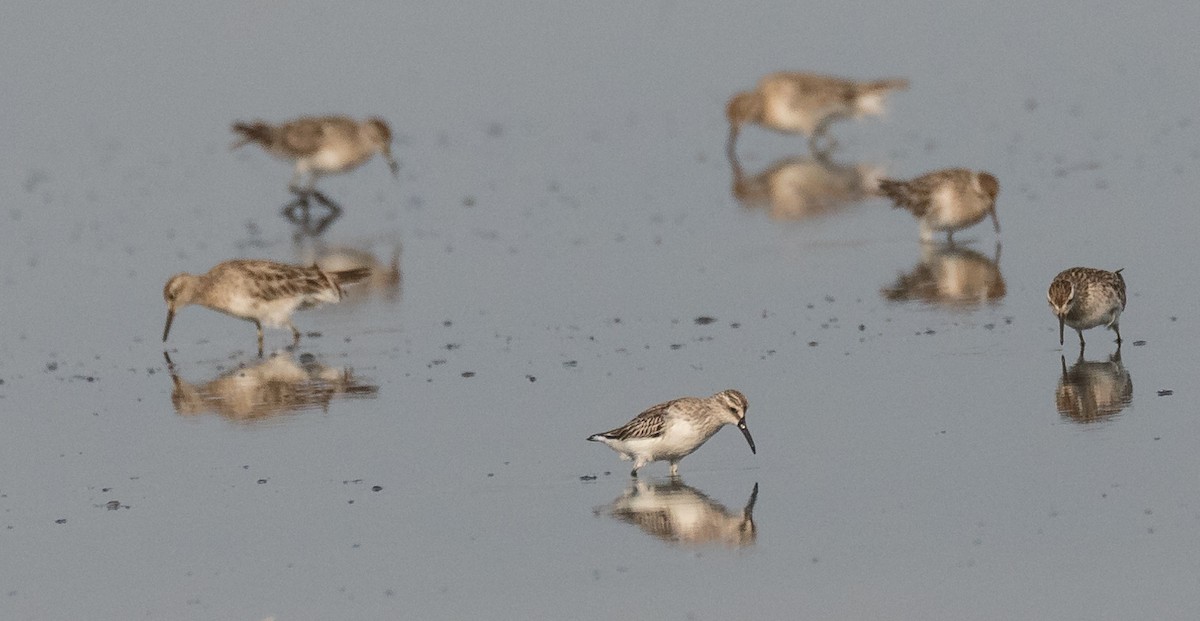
point(733, 410)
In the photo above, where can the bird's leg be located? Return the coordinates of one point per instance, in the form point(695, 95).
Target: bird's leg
point(637, 465)
point(815, 140)
point(294, 184)
point(1117, 329)
point(674, 468)
point(1081, 343)
point(258, 325)
point(295, 335)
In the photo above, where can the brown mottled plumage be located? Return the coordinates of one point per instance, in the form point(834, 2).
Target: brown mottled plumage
point(321, 145)
point(673, 430)
point(264, 292)
point(806, 103)
point(1085, 297)
point(946, 200)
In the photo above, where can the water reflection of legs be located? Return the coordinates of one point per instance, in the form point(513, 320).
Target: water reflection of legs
point(299, 212)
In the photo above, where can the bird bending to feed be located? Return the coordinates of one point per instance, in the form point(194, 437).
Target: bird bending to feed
point(946, 200)
point(673, 430)
point(264, 292)
point(1084, 297)
point(321, 145)
point(806, 103)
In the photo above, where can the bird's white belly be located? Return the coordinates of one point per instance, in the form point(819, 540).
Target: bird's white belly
point(949, 211)
point(679, 439)
point(1105, 316)
point(781, 115)
point(333, 160)
point(273, 314)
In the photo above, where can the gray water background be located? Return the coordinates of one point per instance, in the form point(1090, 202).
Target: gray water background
point(563, 217)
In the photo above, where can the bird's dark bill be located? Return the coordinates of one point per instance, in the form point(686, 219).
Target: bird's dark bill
point(1061, 321)
point(167, 328)
point(746, 432)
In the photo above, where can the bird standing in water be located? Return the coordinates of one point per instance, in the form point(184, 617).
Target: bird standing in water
point(673, 430)
point(321, 145)
point(946, 200)
point(264, 292)
point(806, 103)
point(1085, 297)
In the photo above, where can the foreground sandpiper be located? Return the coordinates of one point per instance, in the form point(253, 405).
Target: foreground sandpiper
point(1084, 297)
point(946, 200)
point(321, 145)
point(806, 103)
point(264, 292)
point(673, 430)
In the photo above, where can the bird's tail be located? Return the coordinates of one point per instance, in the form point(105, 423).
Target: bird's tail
point(252, 132)
point(349, 277)
point(882, 86)
point(896, 190)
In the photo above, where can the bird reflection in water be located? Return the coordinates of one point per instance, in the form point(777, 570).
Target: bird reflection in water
point(799, 187)
point(385, 278)
point(950, 275)
point(1091, 392)
point(276, 386)
point(680, 514)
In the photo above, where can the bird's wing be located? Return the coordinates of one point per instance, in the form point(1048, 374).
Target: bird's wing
point(1119, 285)
point(303, 136)
point(649, 424)
point(280, 280)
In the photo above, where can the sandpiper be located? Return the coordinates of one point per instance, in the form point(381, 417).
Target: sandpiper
point(946, 200)
point(264, 292)
point(673, 430)
point(1084, 297)
point(321, 144)
point(806, 103)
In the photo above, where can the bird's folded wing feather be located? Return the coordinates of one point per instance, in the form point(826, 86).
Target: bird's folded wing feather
point(648, 424)
point(303, 137)
point(277, 281)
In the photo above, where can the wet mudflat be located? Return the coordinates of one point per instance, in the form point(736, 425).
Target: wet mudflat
point(567, 245)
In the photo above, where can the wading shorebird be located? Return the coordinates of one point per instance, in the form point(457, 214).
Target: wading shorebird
point(321, 145)
point(806, 103)
point(673, 430)
point(264, 292)
point(946, 200)
point(1084, 297)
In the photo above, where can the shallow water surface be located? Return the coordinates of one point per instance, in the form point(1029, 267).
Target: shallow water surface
point(567, 245)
